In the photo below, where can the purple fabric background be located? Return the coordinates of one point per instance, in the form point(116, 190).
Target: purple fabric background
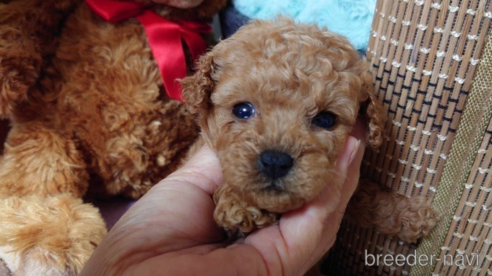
point(112, 209)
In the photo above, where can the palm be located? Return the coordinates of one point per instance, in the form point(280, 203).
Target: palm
point(164, 227)
point(170, 231)
point(190, 227)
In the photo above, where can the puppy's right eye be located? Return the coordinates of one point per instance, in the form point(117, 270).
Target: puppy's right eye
point(243, 110)
point(324, 120)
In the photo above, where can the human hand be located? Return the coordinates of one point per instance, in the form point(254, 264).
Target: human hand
point(170, 231)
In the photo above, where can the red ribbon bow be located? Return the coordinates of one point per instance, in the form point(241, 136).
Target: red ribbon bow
point(164, 37)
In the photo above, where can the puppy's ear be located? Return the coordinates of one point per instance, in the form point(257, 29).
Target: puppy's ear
point(198, 87)
point(374, 111)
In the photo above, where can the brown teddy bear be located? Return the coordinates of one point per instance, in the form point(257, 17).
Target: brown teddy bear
point(90, 90)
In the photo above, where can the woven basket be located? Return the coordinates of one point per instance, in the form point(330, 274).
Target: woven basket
point(432, 63)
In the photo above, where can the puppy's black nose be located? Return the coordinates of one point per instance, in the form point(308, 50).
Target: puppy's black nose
point(275, 164)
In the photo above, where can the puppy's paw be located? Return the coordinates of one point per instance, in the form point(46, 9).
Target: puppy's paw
point(417, 220)
point(4, 269)
point(236, 216)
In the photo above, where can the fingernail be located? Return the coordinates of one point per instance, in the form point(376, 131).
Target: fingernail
point(354, 151)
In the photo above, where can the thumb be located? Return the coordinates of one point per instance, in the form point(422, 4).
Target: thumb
point(202, 170)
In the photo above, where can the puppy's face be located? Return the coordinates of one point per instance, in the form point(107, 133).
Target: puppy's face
point(276, 102)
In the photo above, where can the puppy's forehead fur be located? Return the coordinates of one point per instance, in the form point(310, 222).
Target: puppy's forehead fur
point(288, 64)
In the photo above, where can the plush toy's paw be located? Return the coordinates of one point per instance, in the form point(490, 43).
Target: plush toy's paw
point(36, 261)
point(4, 270)
point(18, 73)
point(417, 220)
point(47, 236)
point(236, 216)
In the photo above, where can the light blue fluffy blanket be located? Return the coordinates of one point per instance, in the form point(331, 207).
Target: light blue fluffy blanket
point(351, 18)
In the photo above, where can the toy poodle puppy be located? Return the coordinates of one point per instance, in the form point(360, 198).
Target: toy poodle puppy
point(276, 102)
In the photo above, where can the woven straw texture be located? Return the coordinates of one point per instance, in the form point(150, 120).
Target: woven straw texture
point(433, 72)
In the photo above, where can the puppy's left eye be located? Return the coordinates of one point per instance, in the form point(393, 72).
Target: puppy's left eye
point(243, 110)
point(324, 120)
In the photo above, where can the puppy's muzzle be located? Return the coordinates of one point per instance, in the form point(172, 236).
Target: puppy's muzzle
point(275, 164)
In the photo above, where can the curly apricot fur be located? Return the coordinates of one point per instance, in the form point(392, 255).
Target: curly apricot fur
point(289, 72)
